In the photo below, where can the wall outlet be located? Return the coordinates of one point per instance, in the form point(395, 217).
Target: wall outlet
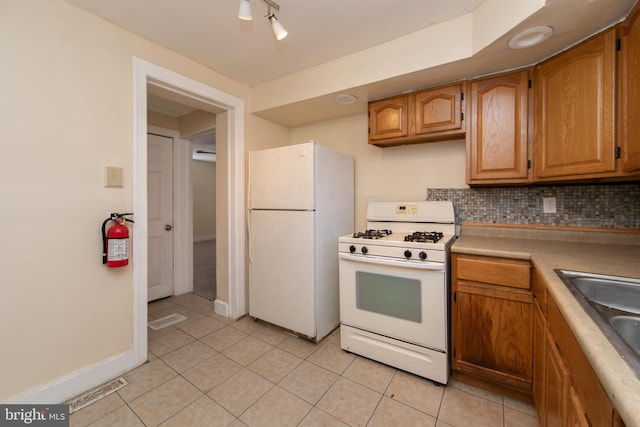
point(549, 205)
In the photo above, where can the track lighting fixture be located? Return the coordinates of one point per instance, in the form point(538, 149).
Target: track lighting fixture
point(245, 10)
point(278, 29)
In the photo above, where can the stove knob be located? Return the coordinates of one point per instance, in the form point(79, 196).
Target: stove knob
point(364, 250)
point(352, 249)
point(407, 253)
point(422, 255)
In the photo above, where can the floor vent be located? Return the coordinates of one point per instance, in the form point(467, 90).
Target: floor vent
point(96, 394)
point(169, 320)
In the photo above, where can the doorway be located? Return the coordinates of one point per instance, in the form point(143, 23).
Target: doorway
point(204, 179)
point(232, 241)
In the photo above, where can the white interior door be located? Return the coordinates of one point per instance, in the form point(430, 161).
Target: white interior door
point(160, 216)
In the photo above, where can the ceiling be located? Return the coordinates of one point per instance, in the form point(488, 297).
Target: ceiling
point(210, 32)
point(321, 32)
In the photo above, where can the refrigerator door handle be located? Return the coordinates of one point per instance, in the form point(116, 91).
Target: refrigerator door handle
point(249, 184)
point(249, 210)
point(249, 235)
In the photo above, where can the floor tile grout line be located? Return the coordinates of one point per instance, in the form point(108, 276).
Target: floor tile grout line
point(441, 402)
point(249, 407)
point(374, 409)
point(256, 334)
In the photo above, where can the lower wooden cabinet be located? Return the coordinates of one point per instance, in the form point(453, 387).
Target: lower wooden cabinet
point(539, 355)
point(576, 411)
point(598, 408)
point(492, 321)
point(509, 336)
point(556, 379)
point(566, 390)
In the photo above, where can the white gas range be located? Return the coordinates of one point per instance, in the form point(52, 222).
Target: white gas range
point(394, 286)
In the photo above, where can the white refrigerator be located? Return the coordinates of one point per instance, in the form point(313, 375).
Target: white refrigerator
point(301, 199)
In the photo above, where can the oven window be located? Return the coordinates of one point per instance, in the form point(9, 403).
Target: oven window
point(394, 296)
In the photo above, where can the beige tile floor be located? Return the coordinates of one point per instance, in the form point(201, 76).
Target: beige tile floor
point(204, 269)
point(211, 371)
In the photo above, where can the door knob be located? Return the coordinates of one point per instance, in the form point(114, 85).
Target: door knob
point(168, 227)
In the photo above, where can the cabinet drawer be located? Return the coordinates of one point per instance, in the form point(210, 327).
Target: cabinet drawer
point(497, 271)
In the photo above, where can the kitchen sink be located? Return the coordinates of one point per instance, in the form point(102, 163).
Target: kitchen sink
point(613, 303)
point(619, 294)
point(628, 327)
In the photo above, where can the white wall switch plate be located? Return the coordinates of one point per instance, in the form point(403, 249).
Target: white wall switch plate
point(549, 205)
point(113, 177)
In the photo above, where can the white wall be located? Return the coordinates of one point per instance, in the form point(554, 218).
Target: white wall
point(66, 101)
point(204, 200)
point(392, 173)
point(66, 104)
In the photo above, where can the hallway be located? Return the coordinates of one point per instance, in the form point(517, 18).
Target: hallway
point(204, 269)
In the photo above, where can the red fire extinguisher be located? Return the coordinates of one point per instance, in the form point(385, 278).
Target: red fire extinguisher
point(115, 241)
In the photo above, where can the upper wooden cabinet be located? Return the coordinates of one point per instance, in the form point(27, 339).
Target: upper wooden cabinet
point(424, 116)
point(629, 92)
point(389, 118)
point(498, 135)
point(439, 112)
point(575, 112)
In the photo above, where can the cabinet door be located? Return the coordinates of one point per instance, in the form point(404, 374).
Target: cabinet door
point(577, 415)
point(492, 335)
point(389, 118)
point(497, 143)
point(630, 92)
point(439, 111)
point(539, 356)
point(575, 112)
point(597, 406)
point(557, 383)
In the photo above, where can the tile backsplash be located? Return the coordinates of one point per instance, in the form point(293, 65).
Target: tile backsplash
point(597, 205)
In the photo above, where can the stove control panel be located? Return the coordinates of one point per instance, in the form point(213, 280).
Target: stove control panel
point(415, 254)
point(407, 209)
point(422, 254)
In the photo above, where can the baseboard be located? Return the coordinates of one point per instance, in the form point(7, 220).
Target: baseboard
point(221, 308)
point(492, 387)
point(204, 238)
point(69, 386)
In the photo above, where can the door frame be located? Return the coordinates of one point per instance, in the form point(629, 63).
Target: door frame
point(143, 73)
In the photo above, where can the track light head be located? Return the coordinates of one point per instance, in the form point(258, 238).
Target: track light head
point(245, 10)
point(278, 30)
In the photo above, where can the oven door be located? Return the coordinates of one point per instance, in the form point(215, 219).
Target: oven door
point(401, 299)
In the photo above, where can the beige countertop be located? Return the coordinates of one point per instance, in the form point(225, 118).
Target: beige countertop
point(602, 252)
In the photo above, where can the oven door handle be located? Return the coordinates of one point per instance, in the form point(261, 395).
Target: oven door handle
point(369, 259)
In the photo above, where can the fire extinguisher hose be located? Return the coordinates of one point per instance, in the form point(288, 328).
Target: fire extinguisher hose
point(104, 240)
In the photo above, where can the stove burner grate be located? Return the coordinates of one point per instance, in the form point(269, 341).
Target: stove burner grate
point(371, 234)
point(424, 236)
